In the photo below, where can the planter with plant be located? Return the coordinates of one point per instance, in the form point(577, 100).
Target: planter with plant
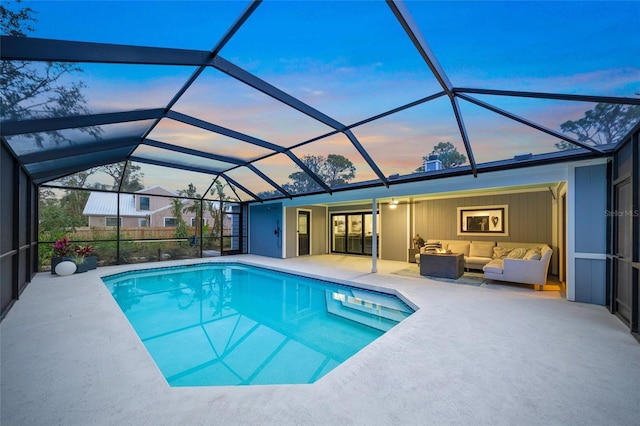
point(80, 256)
point(61, 252)
point(83, 258)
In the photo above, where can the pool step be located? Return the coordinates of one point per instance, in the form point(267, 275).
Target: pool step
point(366, 312)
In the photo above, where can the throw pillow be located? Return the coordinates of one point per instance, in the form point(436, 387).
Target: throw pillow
point(430, 247)
point(517, 253)
point(500, 252)
point(532, 254)
point(481, 249)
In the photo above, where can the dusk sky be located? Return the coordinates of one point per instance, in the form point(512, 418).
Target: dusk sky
point(352, 60)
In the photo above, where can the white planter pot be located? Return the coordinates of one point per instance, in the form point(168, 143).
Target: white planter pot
point(66, 268)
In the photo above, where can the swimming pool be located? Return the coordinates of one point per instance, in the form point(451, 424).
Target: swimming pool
point(220, 324)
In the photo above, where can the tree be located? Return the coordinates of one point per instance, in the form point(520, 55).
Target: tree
point(195, 205)
point(338, 170)
point(448, 155)
point(334, 170)
point(129, 173)
point(54, 221)
point(215, 209)
point(301, 182)
point(30, 91)
point(176, 210)
point(74, 200)
point(603, 125)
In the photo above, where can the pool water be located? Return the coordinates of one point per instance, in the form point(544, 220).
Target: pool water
point(231, 324)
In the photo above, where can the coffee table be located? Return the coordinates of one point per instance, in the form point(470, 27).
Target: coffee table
point(442, 265)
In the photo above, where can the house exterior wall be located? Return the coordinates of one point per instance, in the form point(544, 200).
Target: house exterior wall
point(394, 232)
point(264, 219)
point(319, 224)
point(319, 230)
point(101, 221)
point(291, 234)
point(530, 220)
point(587, 258)
point(155, 218)
point(530, 217)
point(155, 203)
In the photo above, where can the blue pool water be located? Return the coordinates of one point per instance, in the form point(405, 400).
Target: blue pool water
point(232, 324)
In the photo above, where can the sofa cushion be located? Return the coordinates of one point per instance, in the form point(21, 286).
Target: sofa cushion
point(500, 252)
point(476, 262)
point(532, 254)
point(494, 267)
point(459, 248)
point(481, 249)
point(517, 253)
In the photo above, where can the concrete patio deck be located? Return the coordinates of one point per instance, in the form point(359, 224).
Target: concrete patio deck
point(490, 355)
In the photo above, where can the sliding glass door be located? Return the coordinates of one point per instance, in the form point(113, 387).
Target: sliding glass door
point(352, 233)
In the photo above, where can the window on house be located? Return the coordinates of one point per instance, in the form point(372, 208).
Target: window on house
point(143, 223)
point(193, 221)
point(170, 222)
point(112, 221)
point(144, 203)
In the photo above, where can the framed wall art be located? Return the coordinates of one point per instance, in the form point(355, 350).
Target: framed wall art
point(483, 220)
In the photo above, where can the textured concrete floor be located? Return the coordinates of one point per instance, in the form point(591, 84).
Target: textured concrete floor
point(489, 355)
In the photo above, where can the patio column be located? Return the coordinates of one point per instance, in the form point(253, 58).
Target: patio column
point(374, 237)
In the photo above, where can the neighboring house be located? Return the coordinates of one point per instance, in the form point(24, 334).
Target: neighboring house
point(149, 207)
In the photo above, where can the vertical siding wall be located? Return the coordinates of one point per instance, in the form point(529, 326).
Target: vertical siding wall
point(394, 232)
point(263, 221)
point(319, 230)
point(319, 223)
point(291, 232)
point(530, 217)
point(590, 224)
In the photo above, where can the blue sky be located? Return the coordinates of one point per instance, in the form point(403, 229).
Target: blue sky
point(352, 60)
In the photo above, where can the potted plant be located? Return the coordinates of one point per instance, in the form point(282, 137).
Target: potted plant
point(83, 258)
point(61, 253)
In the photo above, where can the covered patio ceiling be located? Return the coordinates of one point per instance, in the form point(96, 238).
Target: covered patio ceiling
point(283, 99)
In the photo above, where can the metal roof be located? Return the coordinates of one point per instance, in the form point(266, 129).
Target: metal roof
point(106, 204)
point(377, 83)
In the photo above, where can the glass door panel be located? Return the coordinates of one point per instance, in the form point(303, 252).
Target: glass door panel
point(338, 243)
point(354, 233)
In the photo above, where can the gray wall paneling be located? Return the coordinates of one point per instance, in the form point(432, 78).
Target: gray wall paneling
point(319, 223)
point(394, 232)
point(590, 233)
point(590, 276)
point(530, 217)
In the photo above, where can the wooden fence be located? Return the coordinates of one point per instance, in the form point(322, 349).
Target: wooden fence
point(96, 233)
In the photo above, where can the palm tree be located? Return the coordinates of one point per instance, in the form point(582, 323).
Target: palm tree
point(216, 211)
point(176, 210)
